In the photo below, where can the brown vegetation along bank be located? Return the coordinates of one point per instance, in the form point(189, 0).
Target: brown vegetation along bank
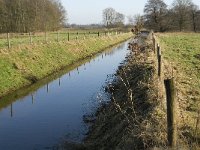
point(135, 117)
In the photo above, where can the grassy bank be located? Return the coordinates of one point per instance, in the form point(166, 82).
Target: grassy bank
point(17, 39)
point(182, 59)
point(24, 65)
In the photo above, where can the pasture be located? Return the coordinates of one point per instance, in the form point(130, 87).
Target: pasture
point(181, 52)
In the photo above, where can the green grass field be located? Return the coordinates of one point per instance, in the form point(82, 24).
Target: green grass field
point(182, 51)
point(25, 64)
point(18, 39)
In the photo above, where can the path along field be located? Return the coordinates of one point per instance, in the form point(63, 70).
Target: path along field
point(26, 64)
point(181, 53)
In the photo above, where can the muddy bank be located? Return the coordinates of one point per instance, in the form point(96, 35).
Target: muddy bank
point(134, 118)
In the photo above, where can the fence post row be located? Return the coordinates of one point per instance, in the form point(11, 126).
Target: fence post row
point(58, 37)
point(170, 101)
point(171, 117)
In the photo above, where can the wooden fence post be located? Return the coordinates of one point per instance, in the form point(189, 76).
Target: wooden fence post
point(68, 36)
point(159, 60)
point(98, 34)
point(154, 44)
point(171, 117)
point(84, 36)
point(159, 65)
point(8, 40)
point(30, 37)
point(158, 50)
point(77, 36)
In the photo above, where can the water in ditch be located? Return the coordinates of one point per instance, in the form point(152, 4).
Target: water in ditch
point(52, 112)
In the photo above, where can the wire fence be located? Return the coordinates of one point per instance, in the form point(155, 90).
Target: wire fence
point(174, 101)
point(14, 39)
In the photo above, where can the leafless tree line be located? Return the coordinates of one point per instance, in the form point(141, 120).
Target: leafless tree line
point(112, 18)
point(183, 15)
point(31, 15)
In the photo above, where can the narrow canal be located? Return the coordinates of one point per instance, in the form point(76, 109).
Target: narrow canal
point(54, 112)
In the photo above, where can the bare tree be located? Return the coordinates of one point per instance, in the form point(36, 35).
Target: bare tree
point(181, 11)
point(138, 21)
point(155, 11)
point(194, 15)
point(131, 20)
point(31, 15)
point(183, 15)
point(119, 19)
point(3, 14)
point(109, 15)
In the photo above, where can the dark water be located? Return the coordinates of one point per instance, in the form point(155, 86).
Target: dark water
point(54, 112)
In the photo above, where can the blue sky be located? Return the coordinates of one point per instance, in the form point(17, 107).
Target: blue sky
point(90, 11)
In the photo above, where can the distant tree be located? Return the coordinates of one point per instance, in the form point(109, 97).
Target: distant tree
point(31, 15)
point(198, 20)
point(181, 10)
point(131, 20)
point(155, 11)
point(109, 15)
point(3, 15)
point(112, 18)
point(138, 21)
point(183, 15)
point(194, 15)
point(119, 19)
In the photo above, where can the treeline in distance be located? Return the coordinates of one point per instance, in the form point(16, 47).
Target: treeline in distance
point(183, 15)
point(31, 15)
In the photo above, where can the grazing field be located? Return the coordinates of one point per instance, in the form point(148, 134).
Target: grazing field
point(182, 60)
point(18, 39)
point(26, 64)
